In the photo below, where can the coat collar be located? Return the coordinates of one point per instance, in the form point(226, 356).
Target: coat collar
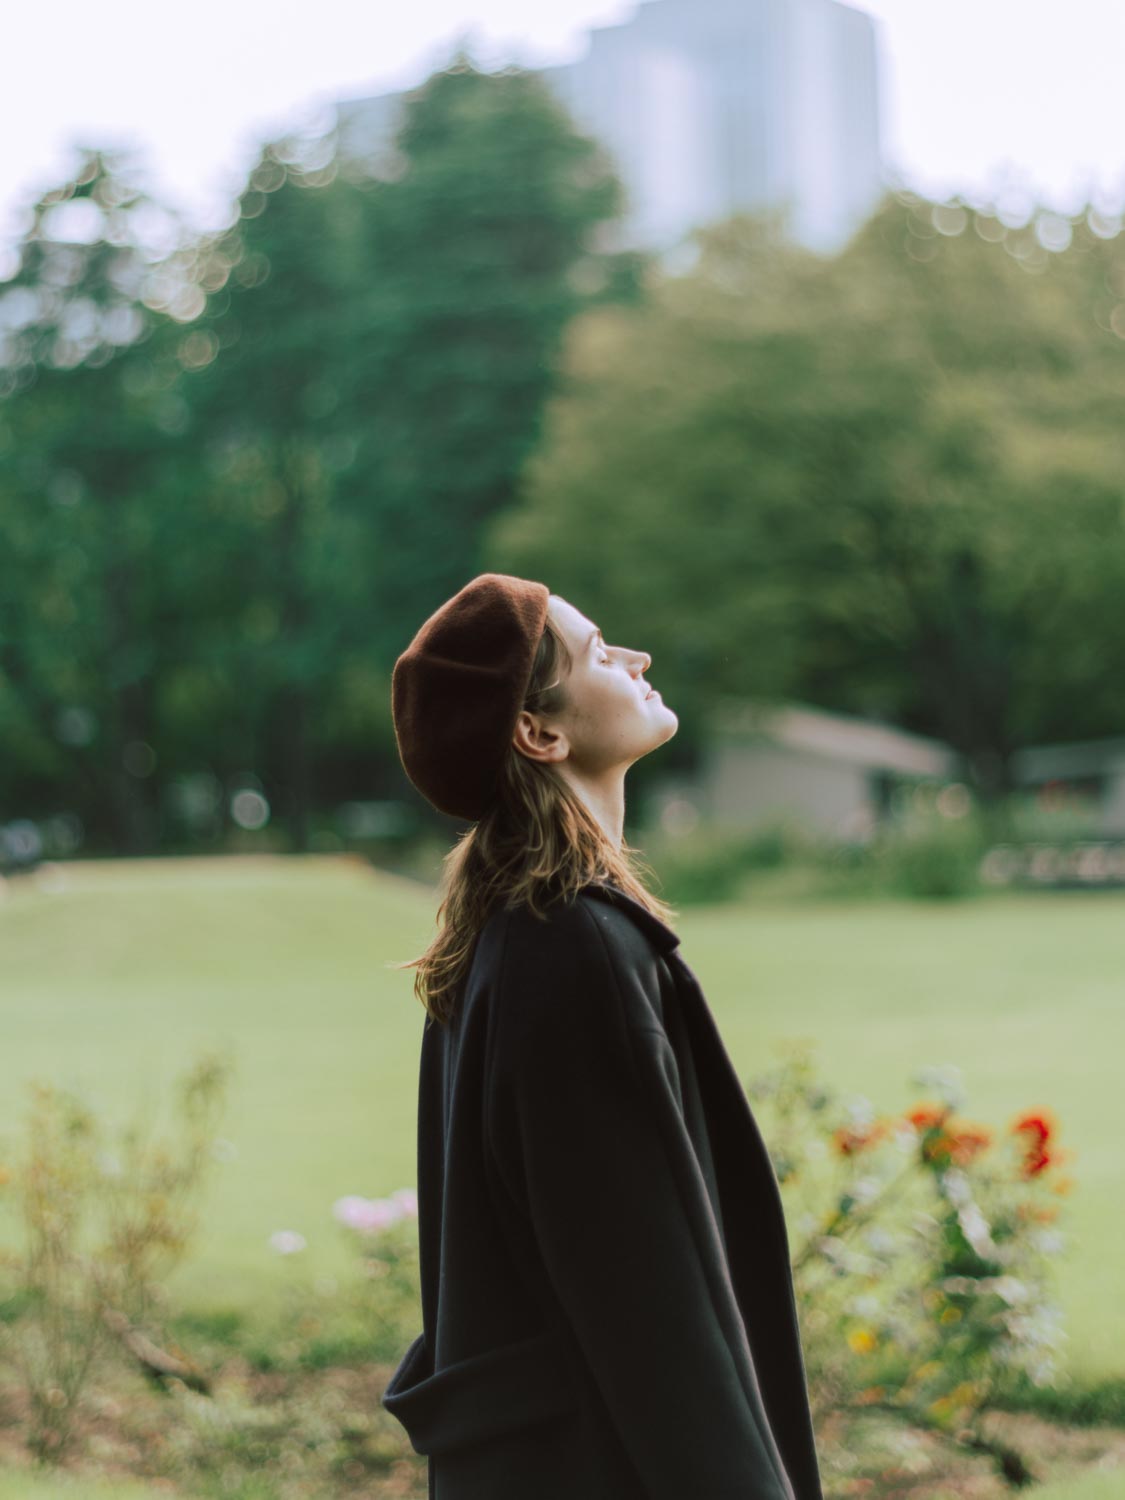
point(653, 928)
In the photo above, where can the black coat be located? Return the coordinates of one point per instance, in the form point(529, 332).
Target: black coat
point(607, 1296)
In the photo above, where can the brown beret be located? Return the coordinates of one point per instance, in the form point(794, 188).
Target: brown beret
point(457, 690)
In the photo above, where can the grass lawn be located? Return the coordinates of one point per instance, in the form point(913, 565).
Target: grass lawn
point(1087, 1487)
point(116, 974)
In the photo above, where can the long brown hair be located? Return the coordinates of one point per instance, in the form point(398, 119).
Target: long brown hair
point(537, 843)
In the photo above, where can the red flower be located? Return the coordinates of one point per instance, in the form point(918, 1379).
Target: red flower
point(1035, 1161)
point(1038, 1127)
point(1040, 1124)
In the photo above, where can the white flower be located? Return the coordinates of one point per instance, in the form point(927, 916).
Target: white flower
point(1011, 1289)
point(864, 1189)
point(859, 1109)
point(945, 1078)
point(287, 1241)
point(864, 1306)
point(1049, 1241)
point(881, 1240)
point(956, 1186)
point(976, 1229)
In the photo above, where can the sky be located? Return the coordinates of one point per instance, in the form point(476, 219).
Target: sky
point(975, 92)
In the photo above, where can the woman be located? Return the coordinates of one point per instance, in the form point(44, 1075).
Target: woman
point(607, 1301)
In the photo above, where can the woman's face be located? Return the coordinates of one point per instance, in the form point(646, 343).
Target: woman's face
point(613, 716)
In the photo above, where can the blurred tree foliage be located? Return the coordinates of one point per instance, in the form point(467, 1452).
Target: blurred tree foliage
point(238, 471)
point(97, 504)
point(485, 247)
point(236, 475)
point(375, 354)
point(276, 345)
point(888, 483)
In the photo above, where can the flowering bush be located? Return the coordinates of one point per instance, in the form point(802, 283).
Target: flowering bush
point(384, 1235)
point(925, 1271)
point(359, 1318)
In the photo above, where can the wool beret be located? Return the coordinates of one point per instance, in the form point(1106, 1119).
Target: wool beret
point(457, 690)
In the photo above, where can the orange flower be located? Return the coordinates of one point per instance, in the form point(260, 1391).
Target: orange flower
point(849, 1139)
point(966, 1142)
point(926, 1116)
point(936, 1149)
point(958, 1142)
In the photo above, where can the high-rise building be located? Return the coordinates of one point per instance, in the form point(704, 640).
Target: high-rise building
point(711, 107)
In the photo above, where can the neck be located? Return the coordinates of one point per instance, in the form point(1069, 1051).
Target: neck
point(605, 797)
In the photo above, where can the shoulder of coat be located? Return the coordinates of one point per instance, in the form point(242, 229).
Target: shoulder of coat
point(575, 923)
point(566, 917)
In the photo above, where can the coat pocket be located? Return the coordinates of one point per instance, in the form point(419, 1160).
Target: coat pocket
point(487, 1395)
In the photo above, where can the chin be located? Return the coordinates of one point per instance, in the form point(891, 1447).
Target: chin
point(672, 721)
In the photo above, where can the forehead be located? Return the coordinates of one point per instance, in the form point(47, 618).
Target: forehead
point(572, 622)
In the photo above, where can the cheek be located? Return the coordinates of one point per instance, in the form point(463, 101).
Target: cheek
point(608, 702)
point(603, 705)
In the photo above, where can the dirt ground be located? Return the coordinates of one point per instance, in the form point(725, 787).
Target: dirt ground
point(322, 1435)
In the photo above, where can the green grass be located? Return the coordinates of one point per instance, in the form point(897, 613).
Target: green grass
point(1107, 1486)
point(115, 980)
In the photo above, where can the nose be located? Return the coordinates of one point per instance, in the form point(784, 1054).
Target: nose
point(647, 659)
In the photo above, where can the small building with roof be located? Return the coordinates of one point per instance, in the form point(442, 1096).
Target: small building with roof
point(834, 775)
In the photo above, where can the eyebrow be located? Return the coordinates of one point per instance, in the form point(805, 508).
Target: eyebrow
point(594, 634)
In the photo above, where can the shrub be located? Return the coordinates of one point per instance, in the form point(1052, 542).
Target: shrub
point(712, 865)
point(931, 856)
point(370, 1315)
point(98, 1226)
point(925, 1272)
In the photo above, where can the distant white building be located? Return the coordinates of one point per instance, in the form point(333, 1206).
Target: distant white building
point(1086, 776)
point(830, 774)
point(712, 107)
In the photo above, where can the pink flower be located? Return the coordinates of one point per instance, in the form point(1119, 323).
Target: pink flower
point(407, 1199)
point(366, 1215)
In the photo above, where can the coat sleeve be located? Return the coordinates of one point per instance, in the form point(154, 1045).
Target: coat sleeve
point(587, 1128)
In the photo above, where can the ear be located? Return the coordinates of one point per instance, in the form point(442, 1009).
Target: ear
point(533, 738)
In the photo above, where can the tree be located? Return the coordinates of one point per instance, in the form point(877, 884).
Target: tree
point(273, 394)
point(377, 352)
point(485, 246)
point(94, 477)
point(888, 483)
